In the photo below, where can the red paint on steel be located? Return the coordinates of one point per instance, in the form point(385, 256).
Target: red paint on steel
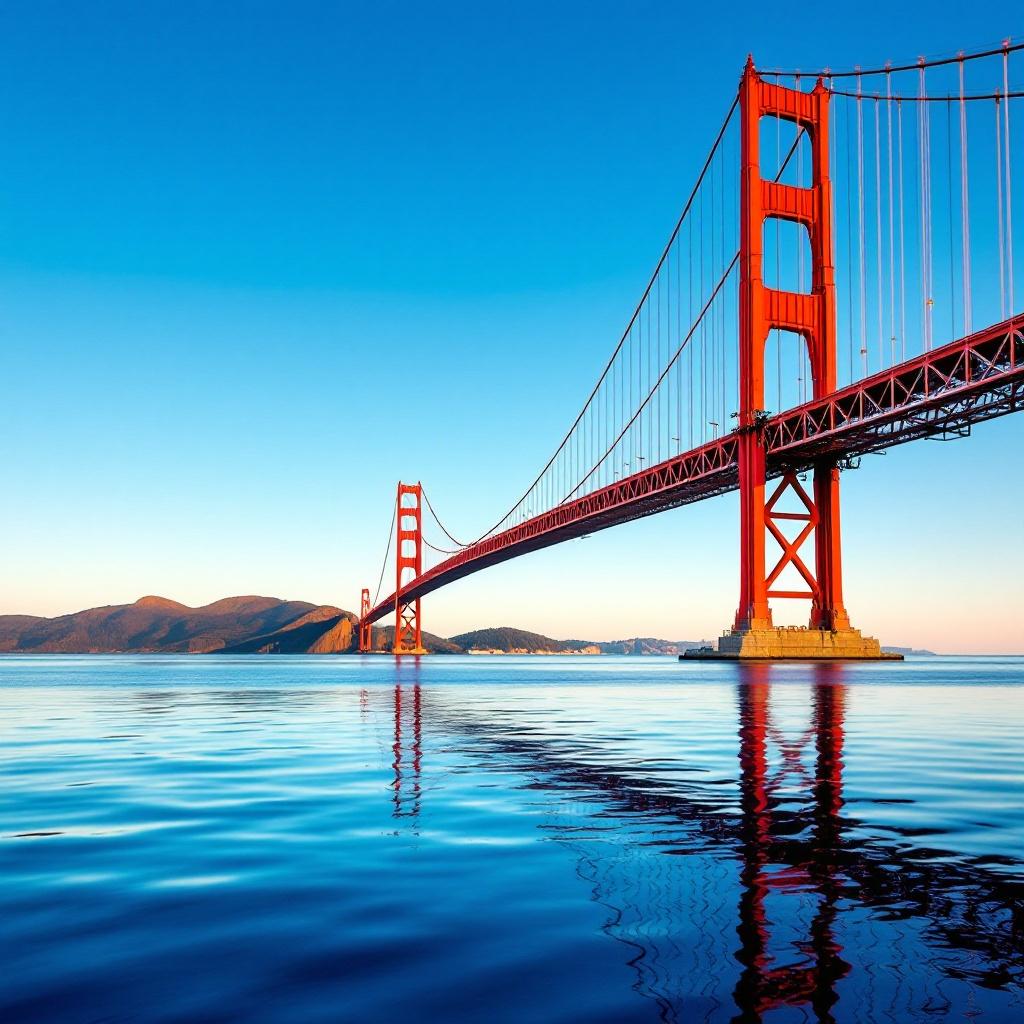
point(365, 630)
point(813, 317)
point(408, 559)
point(940, 393)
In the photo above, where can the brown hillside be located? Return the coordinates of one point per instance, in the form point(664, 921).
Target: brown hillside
point(324, 630)
point(151, 625)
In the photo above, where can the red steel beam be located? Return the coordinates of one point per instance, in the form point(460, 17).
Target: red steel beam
point(941, 393)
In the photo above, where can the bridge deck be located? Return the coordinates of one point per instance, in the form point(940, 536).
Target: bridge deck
point(939, 393)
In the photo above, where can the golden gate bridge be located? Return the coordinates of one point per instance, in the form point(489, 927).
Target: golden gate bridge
point(841, 280)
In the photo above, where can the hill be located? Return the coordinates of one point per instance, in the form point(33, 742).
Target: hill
point(150, 625)
point(510, 640)
point(267, 625)
point(324, 630)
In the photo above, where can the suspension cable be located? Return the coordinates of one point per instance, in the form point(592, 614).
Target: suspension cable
point(384, 564)
point(1006, 156)
point(949, 194)
point(862, 277)
point(924, 155)
point(931, 99)
point(999, 212)
point(632, 320)
point(939, 62)
point(440, 551)
point(965, 209)
point(444, 529)
point(698, 322)
point(707, 305)
point(878, 234)
point(903, 250)
point(892, 238)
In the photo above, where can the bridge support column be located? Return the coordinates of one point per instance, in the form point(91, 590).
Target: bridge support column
point(408, 566)
point(365, 629)
point(813, 317)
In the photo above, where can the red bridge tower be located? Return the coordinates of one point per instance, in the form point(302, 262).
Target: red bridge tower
point(813, 317)
point(365, 629)
point(408, 567)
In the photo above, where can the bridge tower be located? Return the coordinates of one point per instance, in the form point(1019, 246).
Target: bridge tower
point(365, 629)
point(408, 566)
point(813, 317)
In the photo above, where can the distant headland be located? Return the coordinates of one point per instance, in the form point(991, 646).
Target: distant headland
point(267, 625)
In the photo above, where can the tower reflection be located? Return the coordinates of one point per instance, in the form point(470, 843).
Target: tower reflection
point(749, 895)
point(407, 751)
point(777, 867)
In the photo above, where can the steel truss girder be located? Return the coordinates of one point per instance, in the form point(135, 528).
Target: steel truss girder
point(946, 390)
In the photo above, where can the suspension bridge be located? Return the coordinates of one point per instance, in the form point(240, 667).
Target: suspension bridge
point(841, 280)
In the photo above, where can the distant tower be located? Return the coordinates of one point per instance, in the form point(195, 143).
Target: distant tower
point(365, 629)
point(408, 567)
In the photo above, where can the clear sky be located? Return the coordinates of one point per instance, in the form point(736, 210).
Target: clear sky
point(260, 260)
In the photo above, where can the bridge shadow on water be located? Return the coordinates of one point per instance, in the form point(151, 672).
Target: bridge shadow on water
point(759, 897)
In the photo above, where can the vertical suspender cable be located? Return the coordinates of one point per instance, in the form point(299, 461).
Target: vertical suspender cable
point(713, 382)
point(930, 292)
point(965, 209)
point(678, 337)
point(648, 451)
point(860, 229)
point(878, 231)
point(949, 195)
point(999, 213)
point(1006, 158)
point(689, 348)
point(924, 150)
point(892, 240)
point(660, 431)
point(702, 423)
point(722, 302)
point(903, 251)
point(849, 238)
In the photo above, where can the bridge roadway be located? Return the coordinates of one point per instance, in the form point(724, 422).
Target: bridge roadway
point(941, 393)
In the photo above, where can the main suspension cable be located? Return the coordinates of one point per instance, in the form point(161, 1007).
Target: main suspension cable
point(707, 305)
point(444, 529)
point(932, 99)
point(384, 564)
point(698, 322)
point(1006, 48)
point(632, 320)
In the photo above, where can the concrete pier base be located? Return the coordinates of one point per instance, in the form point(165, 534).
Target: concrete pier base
point(793, 643)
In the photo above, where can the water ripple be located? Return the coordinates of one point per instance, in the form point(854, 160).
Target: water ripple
point(510, 839)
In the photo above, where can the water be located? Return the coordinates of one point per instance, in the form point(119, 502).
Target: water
point(510, 839)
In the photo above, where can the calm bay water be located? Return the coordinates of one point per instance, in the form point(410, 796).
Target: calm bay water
point(510, 839)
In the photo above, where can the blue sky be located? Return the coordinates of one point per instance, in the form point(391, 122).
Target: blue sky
point(258, 261)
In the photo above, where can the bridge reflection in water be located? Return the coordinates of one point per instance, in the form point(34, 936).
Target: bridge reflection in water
point(770, 903)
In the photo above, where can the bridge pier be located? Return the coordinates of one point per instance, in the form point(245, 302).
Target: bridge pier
point(796, 643)
point(813, 317)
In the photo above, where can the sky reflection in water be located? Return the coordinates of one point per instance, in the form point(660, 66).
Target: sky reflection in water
point(510, 839)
